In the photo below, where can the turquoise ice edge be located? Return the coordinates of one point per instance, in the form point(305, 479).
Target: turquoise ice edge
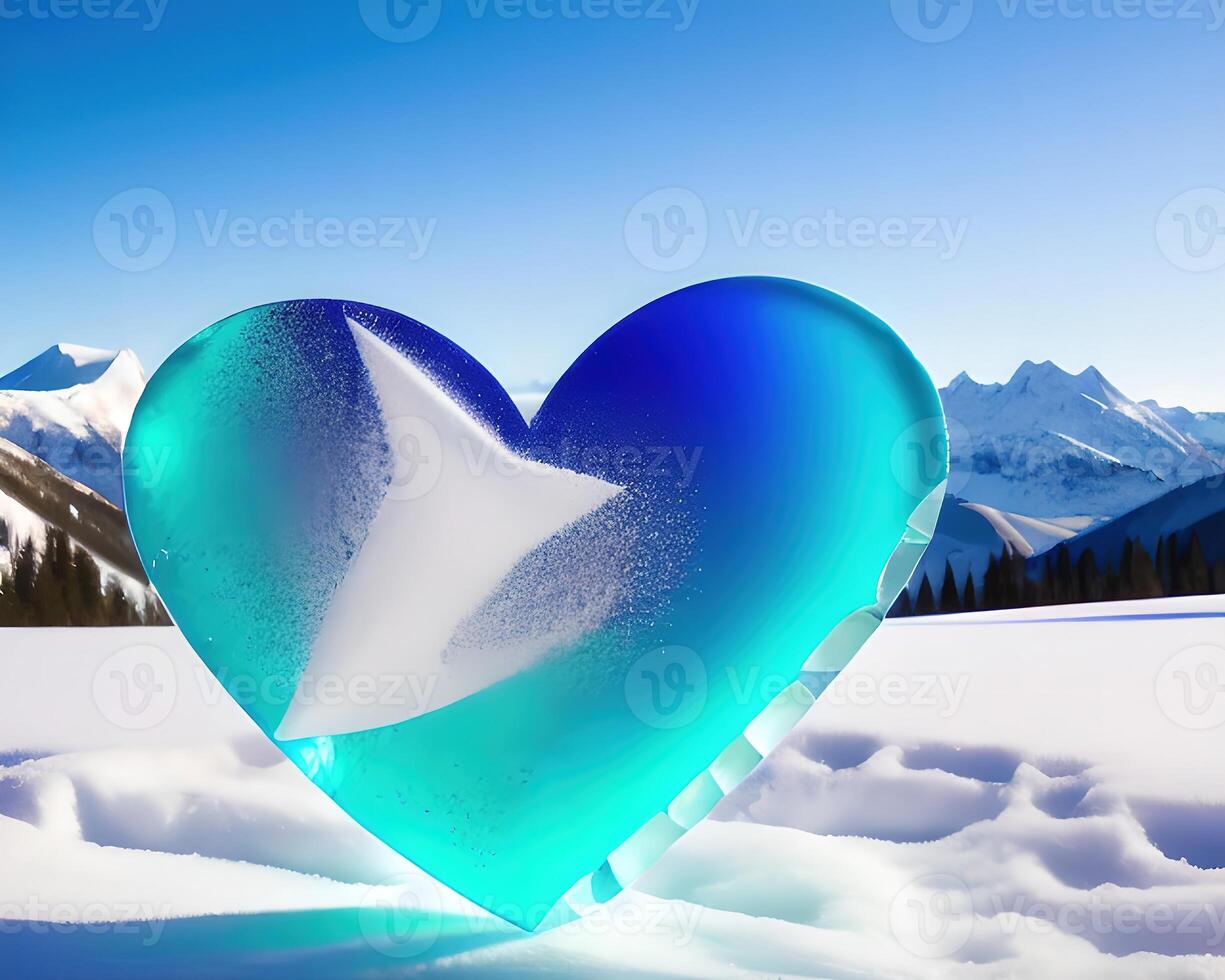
point(763, 734)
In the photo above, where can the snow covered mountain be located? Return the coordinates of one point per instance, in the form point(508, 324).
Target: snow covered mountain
point(968, 535)
point(1207, 428)
point(71, 407)
point(34, 498)
point(1197, 509)
point(63, 418)
point(1053, 445)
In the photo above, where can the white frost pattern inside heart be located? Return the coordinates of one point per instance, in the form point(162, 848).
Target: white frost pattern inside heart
point(447, 533)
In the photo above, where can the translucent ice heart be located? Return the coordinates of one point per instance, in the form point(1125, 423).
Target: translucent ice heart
point(530, 657)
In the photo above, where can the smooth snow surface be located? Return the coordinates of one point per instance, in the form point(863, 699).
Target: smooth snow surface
point(1014, 795)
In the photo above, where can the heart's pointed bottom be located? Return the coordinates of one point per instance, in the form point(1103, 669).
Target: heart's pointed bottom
point(729, 768)
point(648, 844)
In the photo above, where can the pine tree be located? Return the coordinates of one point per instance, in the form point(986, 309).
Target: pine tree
point(87, 589)
point(901, 605)
point(970, 600)
point(1162, 561)
point(991, 584)
point(63, 587)
point(25, 570)
point(1048, 594)
point(950, 597)
point(1089, 584)
point(1064, 588)
point(925, 602)
point(1127, 586)
point(1145, 583)
point(1197, 578)
point(1016, 584)
point(9, 609)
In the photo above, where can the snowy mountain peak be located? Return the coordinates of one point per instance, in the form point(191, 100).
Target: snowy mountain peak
point(1031, 369)
point(962, 379)
point(71, 407)
point(1052, 444)
point(1206, 428)
point(1047, 379)
point(64, 366)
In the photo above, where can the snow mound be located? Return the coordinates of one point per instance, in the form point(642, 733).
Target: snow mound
point(940, 813)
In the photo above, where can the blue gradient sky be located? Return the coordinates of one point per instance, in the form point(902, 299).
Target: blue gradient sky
point(1055, 143)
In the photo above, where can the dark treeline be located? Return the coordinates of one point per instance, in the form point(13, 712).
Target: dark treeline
point(1012, 582)
point(64, 587)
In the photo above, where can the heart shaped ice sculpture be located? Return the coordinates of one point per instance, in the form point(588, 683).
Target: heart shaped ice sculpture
point(529, 657)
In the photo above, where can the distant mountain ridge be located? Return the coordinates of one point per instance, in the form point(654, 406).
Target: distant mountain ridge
point(71, 407)
point(1208, 428)
point(59, 367)
point(1045, 462)
point(1050, 444)
point(63, 419)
